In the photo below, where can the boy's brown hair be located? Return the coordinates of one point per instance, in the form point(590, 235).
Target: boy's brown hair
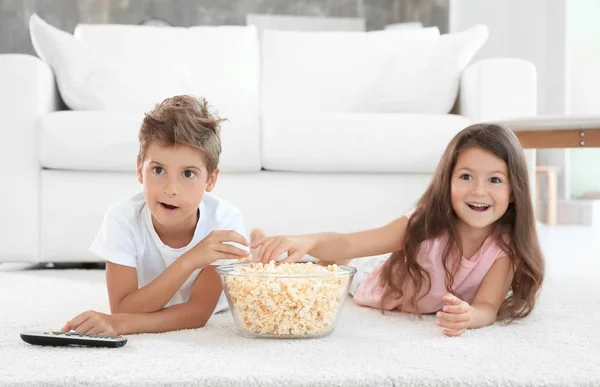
point(183, 120)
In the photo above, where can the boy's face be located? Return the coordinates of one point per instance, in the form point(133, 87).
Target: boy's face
point(175, 179)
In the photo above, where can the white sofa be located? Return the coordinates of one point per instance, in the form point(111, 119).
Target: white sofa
point(325, 132)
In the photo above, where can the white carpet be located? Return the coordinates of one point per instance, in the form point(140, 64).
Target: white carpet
point(559, 345)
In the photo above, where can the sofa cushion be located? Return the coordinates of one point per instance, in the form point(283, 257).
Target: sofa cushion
point(131, 68)
point(360, 142)
point(383, 71)
point(107, 141)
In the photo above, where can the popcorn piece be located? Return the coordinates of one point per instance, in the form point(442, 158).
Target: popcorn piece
point(281, 300)
point(244, 259)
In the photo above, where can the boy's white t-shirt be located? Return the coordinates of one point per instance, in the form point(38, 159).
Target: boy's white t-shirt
point(127, 237)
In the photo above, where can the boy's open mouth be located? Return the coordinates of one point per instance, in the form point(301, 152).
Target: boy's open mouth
point(478, 206)
point(168, 206)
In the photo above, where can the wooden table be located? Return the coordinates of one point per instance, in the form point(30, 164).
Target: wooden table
point(570, 131)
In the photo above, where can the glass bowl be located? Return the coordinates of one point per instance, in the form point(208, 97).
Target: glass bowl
point(285, 301)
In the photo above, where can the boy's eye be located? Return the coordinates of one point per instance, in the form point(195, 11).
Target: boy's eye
point(158, 170)
point(466, 176)
point(495, 180)
point(189, 174)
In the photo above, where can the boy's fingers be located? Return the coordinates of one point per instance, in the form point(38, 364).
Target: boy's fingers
point(232, 250)
point(79, 319)
point(66, 328)
point(230, 236)
point(85, 326)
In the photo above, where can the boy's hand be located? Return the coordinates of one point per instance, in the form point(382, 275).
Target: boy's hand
point(455, 316)
point(272, 247)
point(94, 323)
point(213, 248)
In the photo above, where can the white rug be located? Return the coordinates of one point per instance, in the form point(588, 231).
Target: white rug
point(558, 345)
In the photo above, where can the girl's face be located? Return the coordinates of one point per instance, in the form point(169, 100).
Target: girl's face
point(480, 188)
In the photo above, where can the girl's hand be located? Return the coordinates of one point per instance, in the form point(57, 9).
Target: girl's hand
point(454, 317)
point(272, 247)
point(94, 323)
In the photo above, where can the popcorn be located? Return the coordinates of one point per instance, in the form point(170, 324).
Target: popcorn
point(286, 299)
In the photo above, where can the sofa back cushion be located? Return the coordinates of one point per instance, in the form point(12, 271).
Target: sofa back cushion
point(393, 71)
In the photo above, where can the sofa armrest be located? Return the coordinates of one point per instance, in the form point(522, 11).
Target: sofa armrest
point(27, 92)
point(495, 89)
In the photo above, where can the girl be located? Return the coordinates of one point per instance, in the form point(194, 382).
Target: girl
point(468, 251)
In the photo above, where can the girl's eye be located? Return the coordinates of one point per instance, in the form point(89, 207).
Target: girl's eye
point(466, 177)
point(158, 170)
point(189, 174)
point(495, 180)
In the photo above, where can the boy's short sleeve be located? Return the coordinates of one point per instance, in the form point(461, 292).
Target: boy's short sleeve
point(114, 241)
point(235, 222)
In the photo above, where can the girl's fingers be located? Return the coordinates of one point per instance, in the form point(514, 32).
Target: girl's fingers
point(294, 257)
point(450, 325)
point(269, 252)
point(67, 327)
point(453, 332)
point(451, 299)
point(256, 236)
point(452, 317)
point(454, 309)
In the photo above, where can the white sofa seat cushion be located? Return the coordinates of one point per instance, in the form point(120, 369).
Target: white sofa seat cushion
point(108, 141)
point(359, 142)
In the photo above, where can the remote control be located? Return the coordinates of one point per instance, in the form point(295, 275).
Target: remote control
point(57, 338)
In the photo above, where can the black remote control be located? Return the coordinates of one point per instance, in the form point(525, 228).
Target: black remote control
point(57, 338)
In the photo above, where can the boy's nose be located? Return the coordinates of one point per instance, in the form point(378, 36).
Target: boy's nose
point(170, 188)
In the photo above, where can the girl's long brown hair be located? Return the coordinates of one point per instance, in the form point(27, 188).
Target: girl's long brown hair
point(435, 217)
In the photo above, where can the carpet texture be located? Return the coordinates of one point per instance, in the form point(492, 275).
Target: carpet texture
point(558, 345)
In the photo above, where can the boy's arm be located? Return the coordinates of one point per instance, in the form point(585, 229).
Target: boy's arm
point(491, 293)
point(125, 297)
point(194, 313)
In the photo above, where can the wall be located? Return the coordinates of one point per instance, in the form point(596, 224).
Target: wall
point(65, 14)
point(583, 79)
point(533, 30)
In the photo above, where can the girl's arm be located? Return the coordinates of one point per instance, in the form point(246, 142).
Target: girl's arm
point(491, 293)
point(334, 247)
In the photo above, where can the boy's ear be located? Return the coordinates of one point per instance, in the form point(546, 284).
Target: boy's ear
point(139, 171)
point(212, 180)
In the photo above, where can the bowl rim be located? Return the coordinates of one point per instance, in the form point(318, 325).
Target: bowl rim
point(225, 270)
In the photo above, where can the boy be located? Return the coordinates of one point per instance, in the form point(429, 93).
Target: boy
point(160, 244)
